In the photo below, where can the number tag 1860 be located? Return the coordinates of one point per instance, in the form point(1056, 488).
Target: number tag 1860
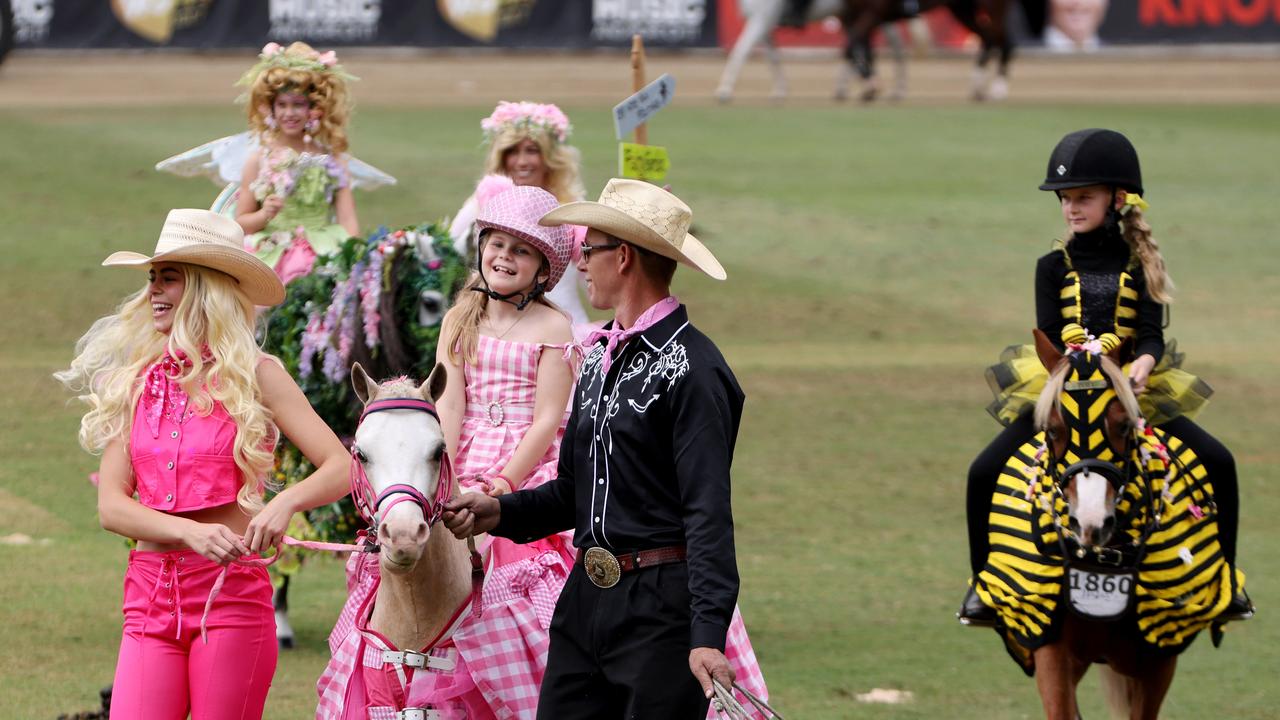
point(1100, 594)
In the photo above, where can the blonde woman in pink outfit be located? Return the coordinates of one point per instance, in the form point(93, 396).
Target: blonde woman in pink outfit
point(185, 410)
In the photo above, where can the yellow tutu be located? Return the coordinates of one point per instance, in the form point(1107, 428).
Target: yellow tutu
point(1016, 382)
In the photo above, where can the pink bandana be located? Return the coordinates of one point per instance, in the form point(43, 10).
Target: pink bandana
point(163, 395)
point(616, 337)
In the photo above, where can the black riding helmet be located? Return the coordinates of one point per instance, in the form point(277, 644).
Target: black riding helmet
point(1094, 157)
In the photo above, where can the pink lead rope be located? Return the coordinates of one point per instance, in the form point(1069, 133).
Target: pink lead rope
point(362, 492)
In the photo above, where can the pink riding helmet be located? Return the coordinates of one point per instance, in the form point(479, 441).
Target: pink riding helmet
point(516, 212)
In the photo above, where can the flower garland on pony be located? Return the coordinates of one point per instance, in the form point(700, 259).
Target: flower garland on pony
point(393, 283)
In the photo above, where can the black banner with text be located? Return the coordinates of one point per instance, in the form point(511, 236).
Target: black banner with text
point(413, 23)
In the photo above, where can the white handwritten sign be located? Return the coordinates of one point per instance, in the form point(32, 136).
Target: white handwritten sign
point(643, 105)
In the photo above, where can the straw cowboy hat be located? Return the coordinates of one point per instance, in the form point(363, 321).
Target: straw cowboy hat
point(644, 215)
point(207, 239)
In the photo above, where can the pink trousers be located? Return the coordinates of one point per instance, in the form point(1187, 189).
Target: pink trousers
point(165, 670)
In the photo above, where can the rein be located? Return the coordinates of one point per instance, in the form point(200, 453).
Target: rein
point(368, 506)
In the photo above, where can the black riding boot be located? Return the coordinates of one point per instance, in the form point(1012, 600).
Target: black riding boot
point(983, 475)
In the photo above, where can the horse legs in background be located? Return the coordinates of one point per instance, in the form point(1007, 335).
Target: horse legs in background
point(280, 601)
point(858, 53)
point(989, 26)
point(758, 27)
point(779, 91)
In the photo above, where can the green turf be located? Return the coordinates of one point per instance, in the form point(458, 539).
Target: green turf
point(877, 260)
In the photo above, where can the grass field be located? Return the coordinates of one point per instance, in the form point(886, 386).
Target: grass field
point(877, 261)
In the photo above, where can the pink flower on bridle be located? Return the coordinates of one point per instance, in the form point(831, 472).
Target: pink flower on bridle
point(370, 505)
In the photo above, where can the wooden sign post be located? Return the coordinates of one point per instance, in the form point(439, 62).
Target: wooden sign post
point(641, 160)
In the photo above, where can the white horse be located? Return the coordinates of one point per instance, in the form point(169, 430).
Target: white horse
point(427, 578)
point(762, 17)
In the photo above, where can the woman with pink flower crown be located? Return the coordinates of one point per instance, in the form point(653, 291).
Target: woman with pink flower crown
point(291, 177)
point(527, 144)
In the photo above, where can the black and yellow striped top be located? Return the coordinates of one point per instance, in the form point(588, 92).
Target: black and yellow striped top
point(1094, 281)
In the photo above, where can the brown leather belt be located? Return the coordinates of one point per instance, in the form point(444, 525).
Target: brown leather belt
point(604, 568)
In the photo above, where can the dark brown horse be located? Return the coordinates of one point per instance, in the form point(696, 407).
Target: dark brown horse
point(988, 19)
point(860, 18)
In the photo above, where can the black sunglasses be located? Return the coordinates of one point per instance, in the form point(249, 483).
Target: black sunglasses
point(588, 249)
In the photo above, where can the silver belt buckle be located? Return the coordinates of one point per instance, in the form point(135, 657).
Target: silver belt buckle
point(602, 567)
point(497, 414)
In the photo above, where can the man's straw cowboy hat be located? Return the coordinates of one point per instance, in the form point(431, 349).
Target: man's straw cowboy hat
point(207, 239)
point(644, 215)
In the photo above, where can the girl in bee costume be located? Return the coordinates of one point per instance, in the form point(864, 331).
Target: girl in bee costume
point(1107, 277)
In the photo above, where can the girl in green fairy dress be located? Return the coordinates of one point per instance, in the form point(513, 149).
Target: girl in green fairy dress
point(295, 197)
point(289, 177)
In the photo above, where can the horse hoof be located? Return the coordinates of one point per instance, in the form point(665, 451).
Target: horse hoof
point(999, 90)
point(840, 96)
point(724, 97)
point(286, 643)
point(869, 95)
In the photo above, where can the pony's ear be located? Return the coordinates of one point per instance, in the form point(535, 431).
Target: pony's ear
point(1048, 352)
point(433, 387)
point(365, 388)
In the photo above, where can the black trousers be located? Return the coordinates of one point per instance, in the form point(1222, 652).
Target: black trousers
point(986, 468)
point(622, 652)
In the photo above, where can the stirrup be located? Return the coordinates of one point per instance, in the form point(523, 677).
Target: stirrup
point(1240, 608)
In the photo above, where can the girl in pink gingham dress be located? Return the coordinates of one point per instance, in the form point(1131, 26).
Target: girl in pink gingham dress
point(503, 412)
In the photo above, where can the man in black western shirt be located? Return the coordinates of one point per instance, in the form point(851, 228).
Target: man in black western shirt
point(639, 631)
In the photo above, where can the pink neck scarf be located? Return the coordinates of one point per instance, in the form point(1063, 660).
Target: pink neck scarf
point(618, 336)
point(162, 395)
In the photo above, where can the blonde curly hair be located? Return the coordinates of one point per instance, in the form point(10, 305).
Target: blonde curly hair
point(300, 68)
point(112, 357)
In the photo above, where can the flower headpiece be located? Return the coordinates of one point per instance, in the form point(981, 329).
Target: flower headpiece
point(274, 55)
point(531, 116)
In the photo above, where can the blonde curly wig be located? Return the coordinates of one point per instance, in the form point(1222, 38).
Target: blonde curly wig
point(297, 68)
point(112, 358)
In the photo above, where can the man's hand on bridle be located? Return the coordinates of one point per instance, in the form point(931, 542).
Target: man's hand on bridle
point(471, 514)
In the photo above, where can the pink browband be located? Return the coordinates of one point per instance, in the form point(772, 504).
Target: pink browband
point(369, 506)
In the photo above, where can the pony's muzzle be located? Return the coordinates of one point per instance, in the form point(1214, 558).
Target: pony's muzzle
point(402, 539)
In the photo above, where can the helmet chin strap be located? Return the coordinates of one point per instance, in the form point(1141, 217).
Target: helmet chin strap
point(1112, 220)
point(525, 298)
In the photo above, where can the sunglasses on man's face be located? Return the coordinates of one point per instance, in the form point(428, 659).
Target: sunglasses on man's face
point(587, 249)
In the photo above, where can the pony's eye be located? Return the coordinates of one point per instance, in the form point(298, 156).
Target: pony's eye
point(360, 455)
point(439, 453)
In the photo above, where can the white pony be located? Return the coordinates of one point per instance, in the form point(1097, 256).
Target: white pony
point(406, 611)
point(762, 17)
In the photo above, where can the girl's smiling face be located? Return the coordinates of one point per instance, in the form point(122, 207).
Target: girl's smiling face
point(291, 111)
point(510, 264)
point(165, 284)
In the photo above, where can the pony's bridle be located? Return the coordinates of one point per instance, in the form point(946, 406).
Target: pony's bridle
point(370, 505)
